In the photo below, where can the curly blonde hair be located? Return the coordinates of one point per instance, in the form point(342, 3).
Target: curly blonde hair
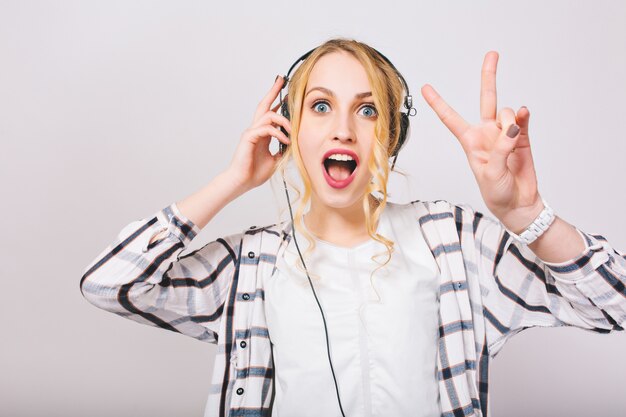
point(388, 93)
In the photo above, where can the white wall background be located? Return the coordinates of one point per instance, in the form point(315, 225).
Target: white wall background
point(111, 110)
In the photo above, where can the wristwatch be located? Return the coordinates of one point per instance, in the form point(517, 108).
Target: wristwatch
point(537, 227)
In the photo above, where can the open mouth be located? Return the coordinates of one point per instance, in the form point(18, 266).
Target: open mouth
point(340, 167)
point(339, 170)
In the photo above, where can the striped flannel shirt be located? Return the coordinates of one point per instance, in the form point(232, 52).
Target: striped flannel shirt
point(491, 288)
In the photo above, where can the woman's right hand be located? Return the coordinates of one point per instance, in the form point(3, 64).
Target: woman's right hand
point(253, 163)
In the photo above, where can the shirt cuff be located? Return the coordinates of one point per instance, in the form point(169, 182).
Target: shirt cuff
point(582, 265)
point(171, 219)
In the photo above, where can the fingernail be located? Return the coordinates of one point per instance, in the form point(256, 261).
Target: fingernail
point(277, 77)
point(512, 131)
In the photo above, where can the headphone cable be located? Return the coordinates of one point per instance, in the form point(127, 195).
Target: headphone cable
point(314, 294)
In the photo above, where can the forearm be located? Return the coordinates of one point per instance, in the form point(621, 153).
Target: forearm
point(560, 243)
point(201, 206)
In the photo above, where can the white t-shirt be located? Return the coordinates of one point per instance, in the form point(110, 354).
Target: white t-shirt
point(382, 331)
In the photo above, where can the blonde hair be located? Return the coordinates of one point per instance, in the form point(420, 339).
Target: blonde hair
point(387, 92)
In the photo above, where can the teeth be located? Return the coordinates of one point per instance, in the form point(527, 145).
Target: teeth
point(340, 157)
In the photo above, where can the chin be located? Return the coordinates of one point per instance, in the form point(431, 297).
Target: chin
point(339, 199)
point(340, 203)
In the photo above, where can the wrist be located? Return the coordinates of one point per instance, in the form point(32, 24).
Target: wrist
point(237, 185)
point(518, 220)
point(536, 228)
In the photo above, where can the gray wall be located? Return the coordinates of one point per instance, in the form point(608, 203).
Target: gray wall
point(111, 110)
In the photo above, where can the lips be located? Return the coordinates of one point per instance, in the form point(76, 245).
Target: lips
point(345, 182)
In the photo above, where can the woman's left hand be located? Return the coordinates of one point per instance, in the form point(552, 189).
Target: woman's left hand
point(498, 151)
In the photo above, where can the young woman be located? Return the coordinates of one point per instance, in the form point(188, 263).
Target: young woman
point(334, 331)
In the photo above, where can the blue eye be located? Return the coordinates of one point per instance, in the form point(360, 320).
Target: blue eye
point(317, 103)
point(371, 112)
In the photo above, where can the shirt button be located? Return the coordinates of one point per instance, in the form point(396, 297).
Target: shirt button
point(239, 391)
point(246, 296)
point(243, 344)
point(250, 254)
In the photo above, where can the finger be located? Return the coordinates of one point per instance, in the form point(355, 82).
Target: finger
point(279, 104)
point(505, 143)
point(269, 98)
point(275, 118)
point(523, 118)
point(453, 121)
point(488, 96)
point(268, 131)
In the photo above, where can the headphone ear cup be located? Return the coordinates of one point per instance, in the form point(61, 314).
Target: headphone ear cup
point(404, 132)
point(284, 110)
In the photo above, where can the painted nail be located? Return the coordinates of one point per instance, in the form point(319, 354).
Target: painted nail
point(512, 131)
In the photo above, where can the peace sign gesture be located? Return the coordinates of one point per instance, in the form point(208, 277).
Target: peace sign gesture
point(498, 150)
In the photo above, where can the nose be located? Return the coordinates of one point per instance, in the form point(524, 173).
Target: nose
point(343, 129)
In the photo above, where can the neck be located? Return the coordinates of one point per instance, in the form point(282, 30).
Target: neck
point(344, 226)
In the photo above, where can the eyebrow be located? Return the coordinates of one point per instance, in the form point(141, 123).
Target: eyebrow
point(330, 93)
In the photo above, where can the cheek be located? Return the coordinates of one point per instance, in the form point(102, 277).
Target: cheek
point(307, 152)
point(308, 142)
point(304, 144)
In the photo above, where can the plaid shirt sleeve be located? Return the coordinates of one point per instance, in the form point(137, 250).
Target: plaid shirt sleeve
point(520, 291)
point(150, 283)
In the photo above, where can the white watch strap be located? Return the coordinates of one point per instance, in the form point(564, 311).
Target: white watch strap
point(537, 227)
